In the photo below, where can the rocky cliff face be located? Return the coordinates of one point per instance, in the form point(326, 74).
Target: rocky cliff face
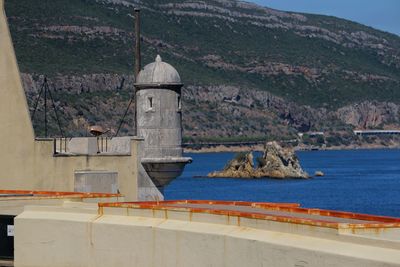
point(209, 110)
point(370, 114)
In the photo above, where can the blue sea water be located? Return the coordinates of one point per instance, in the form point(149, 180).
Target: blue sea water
point(364, 181)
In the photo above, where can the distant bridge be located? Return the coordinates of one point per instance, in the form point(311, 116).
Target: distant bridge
point(376, 132)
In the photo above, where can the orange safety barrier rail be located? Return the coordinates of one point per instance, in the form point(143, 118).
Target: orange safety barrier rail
point(296, 213)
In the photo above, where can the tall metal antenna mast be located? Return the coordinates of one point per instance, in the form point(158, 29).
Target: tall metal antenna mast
point(137, 43)
point(137, 70)
point(137, 59)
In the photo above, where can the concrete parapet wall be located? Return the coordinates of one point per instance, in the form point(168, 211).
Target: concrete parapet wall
point(38, 169)
point(146, 237)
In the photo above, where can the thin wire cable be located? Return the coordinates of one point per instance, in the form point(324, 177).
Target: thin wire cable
point(123, 117)
point(37, 102)
point(55, 111)
point(45, 87)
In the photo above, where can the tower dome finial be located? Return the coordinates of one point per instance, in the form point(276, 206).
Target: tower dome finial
point(158, 72)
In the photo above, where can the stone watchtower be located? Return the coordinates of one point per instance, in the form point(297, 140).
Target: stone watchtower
point(159, 122)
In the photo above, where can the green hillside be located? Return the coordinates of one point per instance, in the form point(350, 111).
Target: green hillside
point(309, 59)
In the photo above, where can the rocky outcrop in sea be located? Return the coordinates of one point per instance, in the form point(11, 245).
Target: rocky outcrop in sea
point(276, 162)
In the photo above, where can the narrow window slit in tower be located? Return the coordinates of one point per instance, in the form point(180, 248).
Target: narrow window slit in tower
point(150, 102)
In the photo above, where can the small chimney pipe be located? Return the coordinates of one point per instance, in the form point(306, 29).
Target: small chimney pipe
point(137, 61)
